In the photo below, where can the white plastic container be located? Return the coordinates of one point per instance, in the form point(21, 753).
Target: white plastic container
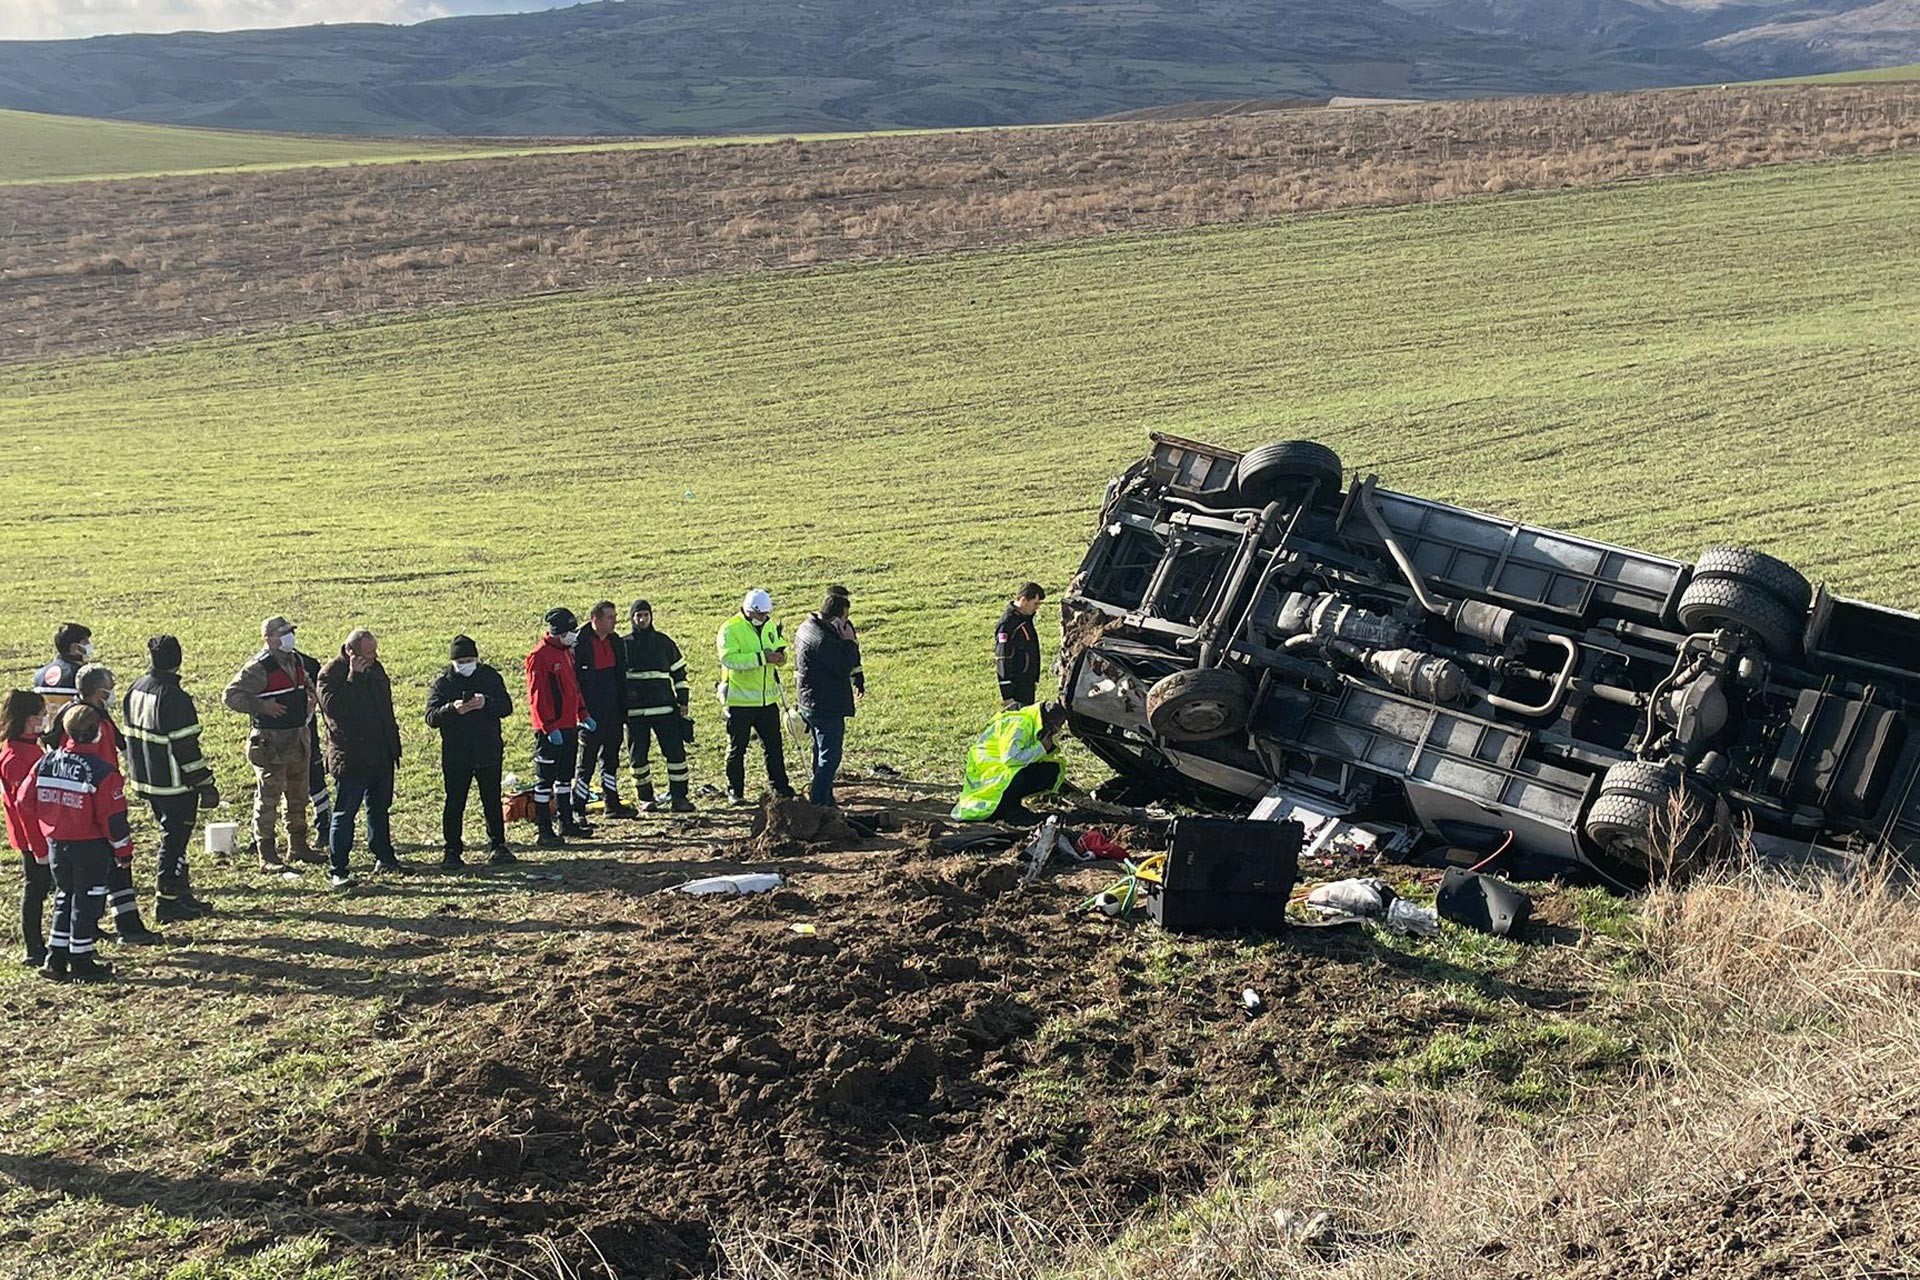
point(223, 838)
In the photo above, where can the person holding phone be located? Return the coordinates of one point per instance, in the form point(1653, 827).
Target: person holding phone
point(467, 702)
point(752, 651)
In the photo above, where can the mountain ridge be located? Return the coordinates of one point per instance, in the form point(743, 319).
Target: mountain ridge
point(721, 66)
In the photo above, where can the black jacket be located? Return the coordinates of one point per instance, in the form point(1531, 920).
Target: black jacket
point(656, 674)
point(475, 736)
point(602, 688)
point(162, 729)
point(363, 738)
point(824, 664)
point(1016, 654)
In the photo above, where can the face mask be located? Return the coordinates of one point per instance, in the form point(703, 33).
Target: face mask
point(287, 643)
point(38, 725)
point(466, 668)
point(86, 650)
point(570, 639)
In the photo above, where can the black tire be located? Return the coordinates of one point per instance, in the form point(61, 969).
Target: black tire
point(1711, 603)
point(1653, 782)
point(1667, 833)
point(1743, 564)
point(1274, 472)
point(1197, 706)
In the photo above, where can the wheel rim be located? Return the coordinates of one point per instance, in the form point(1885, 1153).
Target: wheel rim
point(1202, 715)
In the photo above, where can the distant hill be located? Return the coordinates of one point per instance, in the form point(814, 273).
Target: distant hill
point(711, 66)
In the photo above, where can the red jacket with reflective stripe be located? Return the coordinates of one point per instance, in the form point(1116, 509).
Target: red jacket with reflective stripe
point(76, 797)
point(18, 761)
point(553, 691)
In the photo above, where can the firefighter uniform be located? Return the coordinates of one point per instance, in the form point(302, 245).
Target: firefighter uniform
point(1016, 656)
point(166, 769)
point(599, 662)
point(553, 697)
point(80, 803)
point(656, 700)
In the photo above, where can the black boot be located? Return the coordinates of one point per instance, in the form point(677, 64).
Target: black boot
point(614, 807)
point(173, 910)
point(134, 933)
point(501, 856)
point(87, 969)
point(56, 964)
point(451, 860)
point(547, 838)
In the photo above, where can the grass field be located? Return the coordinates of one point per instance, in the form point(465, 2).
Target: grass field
point(1664, 364)
point(1867, 75)
point(45, 148)
point(1668, 365)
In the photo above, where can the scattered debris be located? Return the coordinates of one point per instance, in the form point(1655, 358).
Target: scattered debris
point(739, 885)
point(1483, 902)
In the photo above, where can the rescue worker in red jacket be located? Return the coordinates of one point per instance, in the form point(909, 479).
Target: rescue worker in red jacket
point(599, 663)
point(95, 685)
point(559, 713)
point(25, 718)
point(80, 803)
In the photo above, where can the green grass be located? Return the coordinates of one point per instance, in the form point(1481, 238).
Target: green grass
point(46, 148)
point(1666, 365)
point(1867, 75)
point(36, 148)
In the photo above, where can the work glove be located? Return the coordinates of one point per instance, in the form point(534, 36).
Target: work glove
point(556, 736)
point(589, 725)
point(209, 797)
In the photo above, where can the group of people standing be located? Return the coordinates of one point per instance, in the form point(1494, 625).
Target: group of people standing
point(324, 737)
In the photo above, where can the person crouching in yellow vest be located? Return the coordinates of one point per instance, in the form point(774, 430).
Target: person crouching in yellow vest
point(752, 651)
point(1012, 760)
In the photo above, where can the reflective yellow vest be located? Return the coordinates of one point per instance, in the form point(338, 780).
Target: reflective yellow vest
point(747, 678)
point(1003, 749)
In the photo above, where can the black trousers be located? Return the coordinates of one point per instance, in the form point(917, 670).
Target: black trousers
point(461, 774)
point(80, 871)
point(671, 732)
point(742, 724)
point(1020, 689)
point(121, 898)
point(1036, 779)
point(553, 775)
point(178, 816)
point(600, 748)
point(33, 906)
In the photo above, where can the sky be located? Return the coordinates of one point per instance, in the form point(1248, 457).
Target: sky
point(62, 19)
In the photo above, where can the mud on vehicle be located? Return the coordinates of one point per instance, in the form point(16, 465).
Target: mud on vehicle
point(1243, 622)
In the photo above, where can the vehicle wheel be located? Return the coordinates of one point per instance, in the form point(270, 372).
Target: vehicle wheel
point(1743, 564)
point(1195, 706)
point(1711, 603)
point(1653, 782)
point(1666, 832)
point(1275, 471)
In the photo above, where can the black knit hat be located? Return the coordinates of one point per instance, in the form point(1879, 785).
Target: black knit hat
point(561, 620)
point(163, 653)
point(639, 606)
point(463, 647)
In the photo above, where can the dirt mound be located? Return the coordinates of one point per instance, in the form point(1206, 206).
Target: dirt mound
point(753, 1060)
point(784, 827)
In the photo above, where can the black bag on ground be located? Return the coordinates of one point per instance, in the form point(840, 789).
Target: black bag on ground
point(1483, 902)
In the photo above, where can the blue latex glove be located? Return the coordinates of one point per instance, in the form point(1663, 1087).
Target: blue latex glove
point(556, 736)
point(588, 724)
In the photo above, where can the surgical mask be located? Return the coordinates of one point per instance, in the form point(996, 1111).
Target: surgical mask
point(288, 643)
point(570, 639)
point(466, 668)
point(86, 650)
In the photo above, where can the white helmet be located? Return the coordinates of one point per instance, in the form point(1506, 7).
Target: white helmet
point(757, 601)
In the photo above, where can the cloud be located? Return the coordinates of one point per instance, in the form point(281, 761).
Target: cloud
point(63, 19)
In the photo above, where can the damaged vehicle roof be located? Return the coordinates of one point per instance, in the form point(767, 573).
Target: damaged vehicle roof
point(1246, 622)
